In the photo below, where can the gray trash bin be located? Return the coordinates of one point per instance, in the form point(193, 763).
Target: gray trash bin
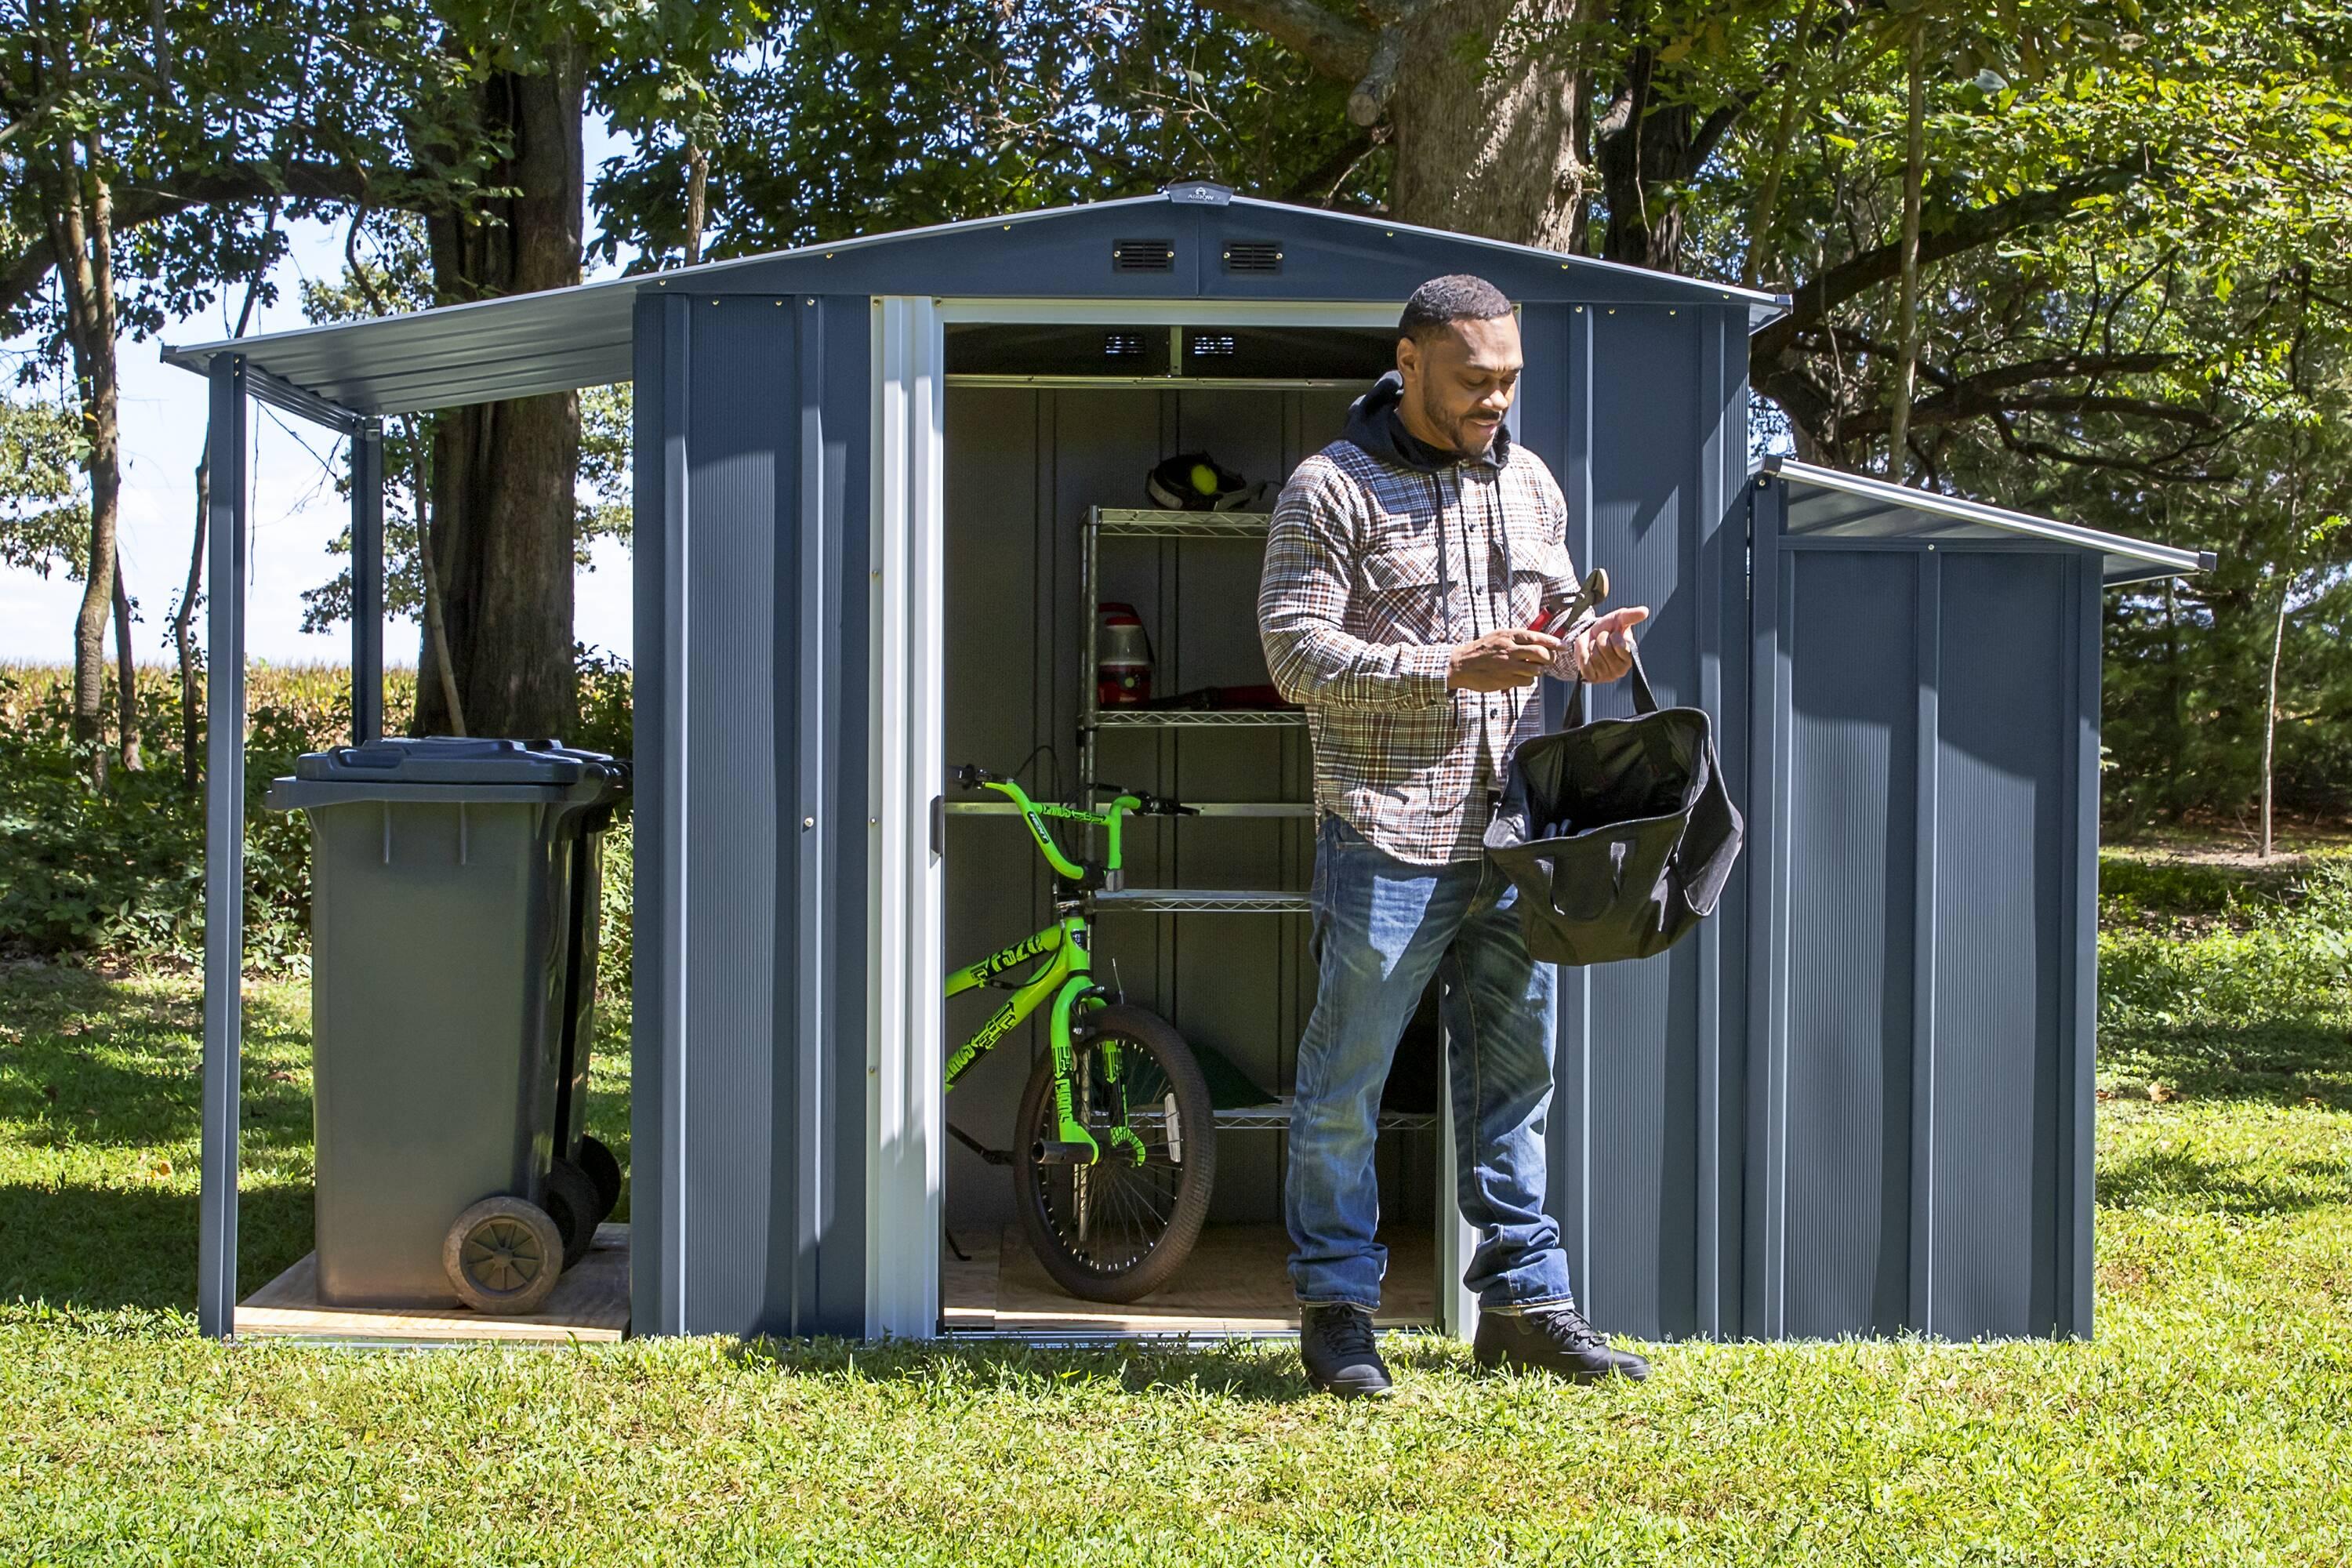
point(453, 941)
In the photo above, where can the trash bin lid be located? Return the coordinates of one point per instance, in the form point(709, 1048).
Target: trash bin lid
point(458, 760)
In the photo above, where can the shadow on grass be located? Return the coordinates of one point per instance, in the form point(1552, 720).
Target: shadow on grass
point(100, 1063)
point(1261, 1372)
point(100, 1247)
point(2177, 1179)
point(2287, 1062)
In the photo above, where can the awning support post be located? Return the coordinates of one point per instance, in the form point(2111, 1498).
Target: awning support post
point(224, 854)
point(367, 582)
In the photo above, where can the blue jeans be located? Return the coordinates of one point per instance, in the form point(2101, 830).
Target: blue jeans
point(1383, 927)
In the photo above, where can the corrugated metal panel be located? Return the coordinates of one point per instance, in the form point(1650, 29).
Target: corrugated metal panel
point(752, 910)
point(566, 338)
point(1645, 1127)
point(740, 699)
point(2004, 801)
point(1925, 806)
point(657, 1097)
point(1853, 784)
point(844, 522)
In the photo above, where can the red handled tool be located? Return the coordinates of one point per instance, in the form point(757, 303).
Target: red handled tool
point(1560, 610)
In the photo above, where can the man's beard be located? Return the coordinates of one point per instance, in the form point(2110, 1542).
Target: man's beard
point(1470, 440)
point(1463, 438)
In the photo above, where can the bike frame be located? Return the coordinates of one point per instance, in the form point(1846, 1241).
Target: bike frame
point(1064, 977)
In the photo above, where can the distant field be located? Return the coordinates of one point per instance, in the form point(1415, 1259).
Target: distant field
point(298, 689)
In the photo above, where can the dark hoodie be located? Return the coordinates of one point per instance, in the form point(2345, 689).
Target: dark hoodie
point(1374, 425)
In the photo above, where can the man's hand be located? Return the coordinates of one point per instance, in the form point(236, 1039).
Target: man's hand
point(1502, 659)
point(1604, 649)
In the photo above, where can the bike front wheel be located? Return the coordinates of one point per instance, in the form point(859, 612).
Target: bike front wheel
point(1118, 1228)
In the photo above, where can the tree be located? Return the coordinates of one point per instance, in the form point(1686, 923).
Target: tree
point(398, 278)
point(44, 518)
point(136, 136)
point(500, 534)
point(858, 118)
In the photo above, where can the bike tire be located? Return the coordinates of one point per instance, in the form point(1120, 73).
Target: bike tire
point(1134, 1227)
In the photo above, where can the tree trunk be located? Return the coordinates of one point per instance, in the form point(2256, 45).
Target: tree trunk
point(1497, 154)
point(1643, 143)
point(437, 630)
point(184, 630)
point(126, 675)
point(1907, 331)
point(2270, 710)
point(84, 229)
point(503, 514)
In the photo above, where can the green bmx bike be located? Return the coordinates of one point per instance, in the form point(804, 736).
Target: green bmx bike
point(1115, 1149)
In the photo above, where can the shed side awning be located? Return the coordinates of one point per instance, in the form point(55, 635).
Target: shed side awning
point(1826, 503)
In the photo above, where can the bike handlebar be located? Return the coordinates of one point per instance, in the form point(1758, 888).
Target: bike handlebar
point(1126, 803)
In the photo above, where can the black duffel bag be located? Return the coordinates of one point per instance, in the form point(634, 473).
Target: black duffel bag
point(1619, 833)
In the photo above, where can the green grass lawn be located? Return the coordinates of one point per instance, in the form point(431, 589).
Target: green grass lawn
point(2209, 1421)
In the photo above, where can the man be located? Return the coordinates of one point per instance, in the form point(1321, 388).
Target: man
point(1405, 561)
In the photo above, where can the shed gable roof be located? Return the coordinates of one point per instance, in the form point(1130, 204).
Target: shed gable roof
point(567, 338)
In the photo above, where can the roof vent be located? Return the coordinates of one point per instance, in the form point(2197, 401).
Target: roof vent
point(1142, 256)
point(1253, 256)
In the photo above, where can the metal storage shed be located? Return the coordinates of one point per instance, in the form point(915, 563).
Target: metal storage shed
point(803, 667)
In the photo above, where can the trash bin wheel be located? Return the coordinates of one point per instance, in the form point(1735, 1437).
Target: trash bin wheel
point(570, 1201)
point(503, 1255)
point(604, 1169)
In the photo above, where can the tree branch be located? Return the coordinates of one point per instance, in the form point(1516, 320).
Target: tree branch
point(1370, 101)
point(21, 273)
point(1966, 231)
point(2158, 467)
point(1319, 184)
point(1330, 43)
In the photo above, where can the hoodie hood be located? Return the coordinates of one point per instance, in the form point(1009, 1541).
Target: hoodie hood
point(1374, 425)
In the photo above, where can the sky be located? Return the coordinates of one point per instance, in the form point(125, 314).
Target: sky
point(295, 510)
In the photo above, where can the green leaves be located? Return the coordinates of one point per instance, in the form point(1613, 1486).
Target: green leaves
point(44, 511)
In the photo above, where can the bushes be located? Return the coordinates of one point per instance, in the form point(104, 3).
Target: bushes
point(119, 875)
point(2262, 995)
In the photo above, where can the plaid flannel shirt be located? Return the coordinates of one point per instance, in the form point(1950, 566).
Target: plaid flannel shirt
point(1374, 573)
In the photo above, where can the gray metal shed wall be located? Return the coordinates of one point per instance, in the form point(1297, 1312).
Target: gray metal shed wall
point(1647, 432)
point(750, 926)
point(1924, 811)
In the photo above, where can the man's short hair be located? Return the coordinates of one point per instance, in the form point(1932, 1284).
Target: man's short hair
point(1456, 297)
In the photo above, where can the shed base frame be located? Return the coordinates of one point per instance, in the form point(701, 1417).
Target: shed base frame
point(1234, 1285)
point(590, 1304)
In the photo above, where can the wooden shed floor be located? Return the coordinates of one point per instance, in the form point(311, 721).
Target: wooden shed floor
point(590, 1303)
point(1235, 1282)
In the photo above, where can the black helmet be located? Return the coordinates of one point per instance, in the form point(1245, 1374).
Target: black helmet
point(1193, 481)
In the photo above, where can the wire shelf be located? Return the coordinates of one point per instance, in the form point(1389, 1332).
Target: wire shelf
point(1199, 718)
point(1139, 522)
point(1275, 1117)
point(1206, 809)
point(1199, 900)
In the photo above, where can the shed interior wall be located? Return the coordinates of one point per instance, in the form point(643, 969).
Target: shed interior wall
point(1023, 466)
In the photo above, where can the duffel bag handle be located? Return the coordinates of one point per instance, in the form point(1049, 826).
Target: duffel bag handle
point(1644, 699)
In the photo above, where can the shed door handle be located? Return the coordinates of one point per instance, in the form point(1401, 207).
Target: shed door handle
point(938, 826)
